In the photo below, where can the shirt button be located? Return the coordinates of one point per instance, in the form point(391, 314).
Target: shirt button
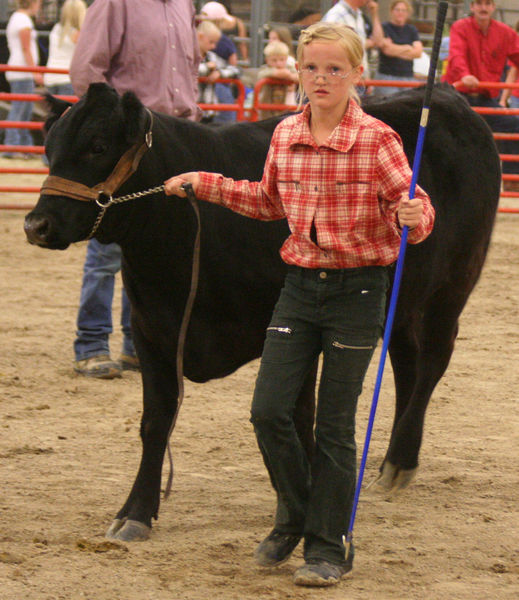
point(316, 188)
point(323, 275)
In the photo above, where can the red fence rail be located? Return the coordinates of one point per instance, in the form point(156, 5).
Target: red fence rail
point(242, 113)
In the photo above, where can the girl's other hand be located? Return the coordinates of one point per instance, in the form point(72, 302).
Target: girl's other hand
point(410, 212)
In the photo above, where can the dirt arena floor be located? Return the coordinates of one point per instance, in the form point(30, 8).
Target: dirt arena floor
point(69, 451)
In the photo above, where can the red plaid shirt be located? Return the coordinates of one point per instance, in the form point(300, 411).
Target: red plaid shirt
point(349, 187)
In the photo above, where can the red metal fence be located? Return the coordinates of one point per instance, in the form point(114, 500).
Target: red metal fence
point(242, 113)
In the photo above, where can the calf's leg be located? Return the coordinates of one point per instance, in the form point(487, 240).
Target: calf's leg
point(160, 394)
point(419, 360)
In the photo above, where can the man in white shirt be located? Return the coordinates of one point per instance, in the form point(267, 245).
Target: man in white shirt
point(349, 12)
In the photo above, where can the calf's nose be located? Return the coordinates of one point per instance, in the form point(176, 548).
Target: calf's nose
point(36, 229)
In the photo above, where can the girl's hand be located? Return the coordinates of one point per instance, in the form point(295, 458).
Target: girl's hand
point(410, 212)
point(172, 186)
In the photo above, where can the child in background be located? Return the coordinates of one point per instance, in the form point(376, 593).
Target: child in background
point(217, 13)
point(341, 179)
point(226, 50)
point(214, 67)
point(282, 34)
point(276, 67)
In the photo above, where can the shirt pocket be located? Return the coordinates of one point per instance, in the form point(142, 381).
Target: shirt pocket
point(353, 202)
point(289, 192)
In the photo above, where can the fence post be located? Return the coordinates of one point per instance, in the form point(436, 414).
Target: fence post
point(260, 14)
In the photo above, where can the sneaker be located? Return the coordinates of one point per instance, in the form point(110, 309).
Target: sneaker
point(321, 573)
point(101, 366)
point(276, 548)
point(128, 362)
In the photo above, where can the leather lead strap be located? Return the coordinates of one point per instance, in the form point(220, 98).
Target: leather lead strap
point(188, 188)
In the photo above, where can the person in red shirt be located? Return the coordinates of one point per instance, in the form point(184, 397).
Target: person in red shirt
point(341, 179)
point(478, 51)
point(510, 97)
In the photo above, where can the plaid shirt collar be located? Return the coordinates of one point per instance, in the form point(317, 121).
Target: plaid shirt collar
point(342, 137)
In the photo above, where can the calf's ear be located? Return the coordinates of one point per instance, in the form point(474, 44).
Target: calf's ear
point(134, 116)
point(55, 108)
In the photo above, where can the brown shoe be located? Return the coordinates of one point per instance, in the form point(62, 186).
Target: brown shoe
point(128, 362)
point(101, 366)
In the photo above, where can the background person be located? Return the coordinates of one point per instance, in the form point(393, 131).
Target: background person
point(62, 44)
point(116, 47)
point(334, 296)
point(23, 52)
point(399, 47)
point(282, 34)
point(233, 26)
point(510, 97)
point(277, 67)
point(349, 13)
point(214, 67)
point(226, 50)
point(478, 51)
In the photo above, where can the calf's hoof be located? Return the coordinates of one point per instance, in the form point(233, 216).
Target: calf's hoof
point(393, 478)
point(128, 530)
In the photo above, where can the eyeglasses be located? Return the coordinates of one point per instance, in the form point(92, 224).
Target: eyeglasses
point(333, 74)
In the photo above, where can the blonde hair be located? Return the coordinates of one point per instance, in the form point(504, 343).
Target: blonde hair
point(284, 35)
point(331, 32)
point(71, 17)
point(275, 49)
point(406, 2)
point(209, 28)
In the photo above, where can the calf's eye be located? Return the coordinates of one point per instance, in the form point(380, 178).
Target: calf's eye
point(98, 148)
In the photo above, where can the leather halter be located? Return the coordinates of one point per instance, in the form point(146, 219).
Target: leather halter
point(125, 167)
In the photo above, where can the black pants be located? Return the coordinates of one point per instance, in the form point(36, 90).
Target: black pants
point(339, 313)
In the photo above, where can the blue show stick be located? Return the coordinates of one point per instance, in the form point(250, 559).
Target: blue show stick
point(440, 20)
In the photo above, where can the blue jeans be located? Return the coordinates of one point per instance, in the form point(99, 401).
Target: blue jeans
point(224, 94)
point(20, 111)
point(341, 314)
point(61, 89)
point(94, 320)
point(500, 124)
point(513, 102)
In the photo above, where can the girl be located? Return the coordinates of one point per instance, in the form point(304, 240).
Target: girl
point(62, 44)
point(340, 177)
point(23, 52)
